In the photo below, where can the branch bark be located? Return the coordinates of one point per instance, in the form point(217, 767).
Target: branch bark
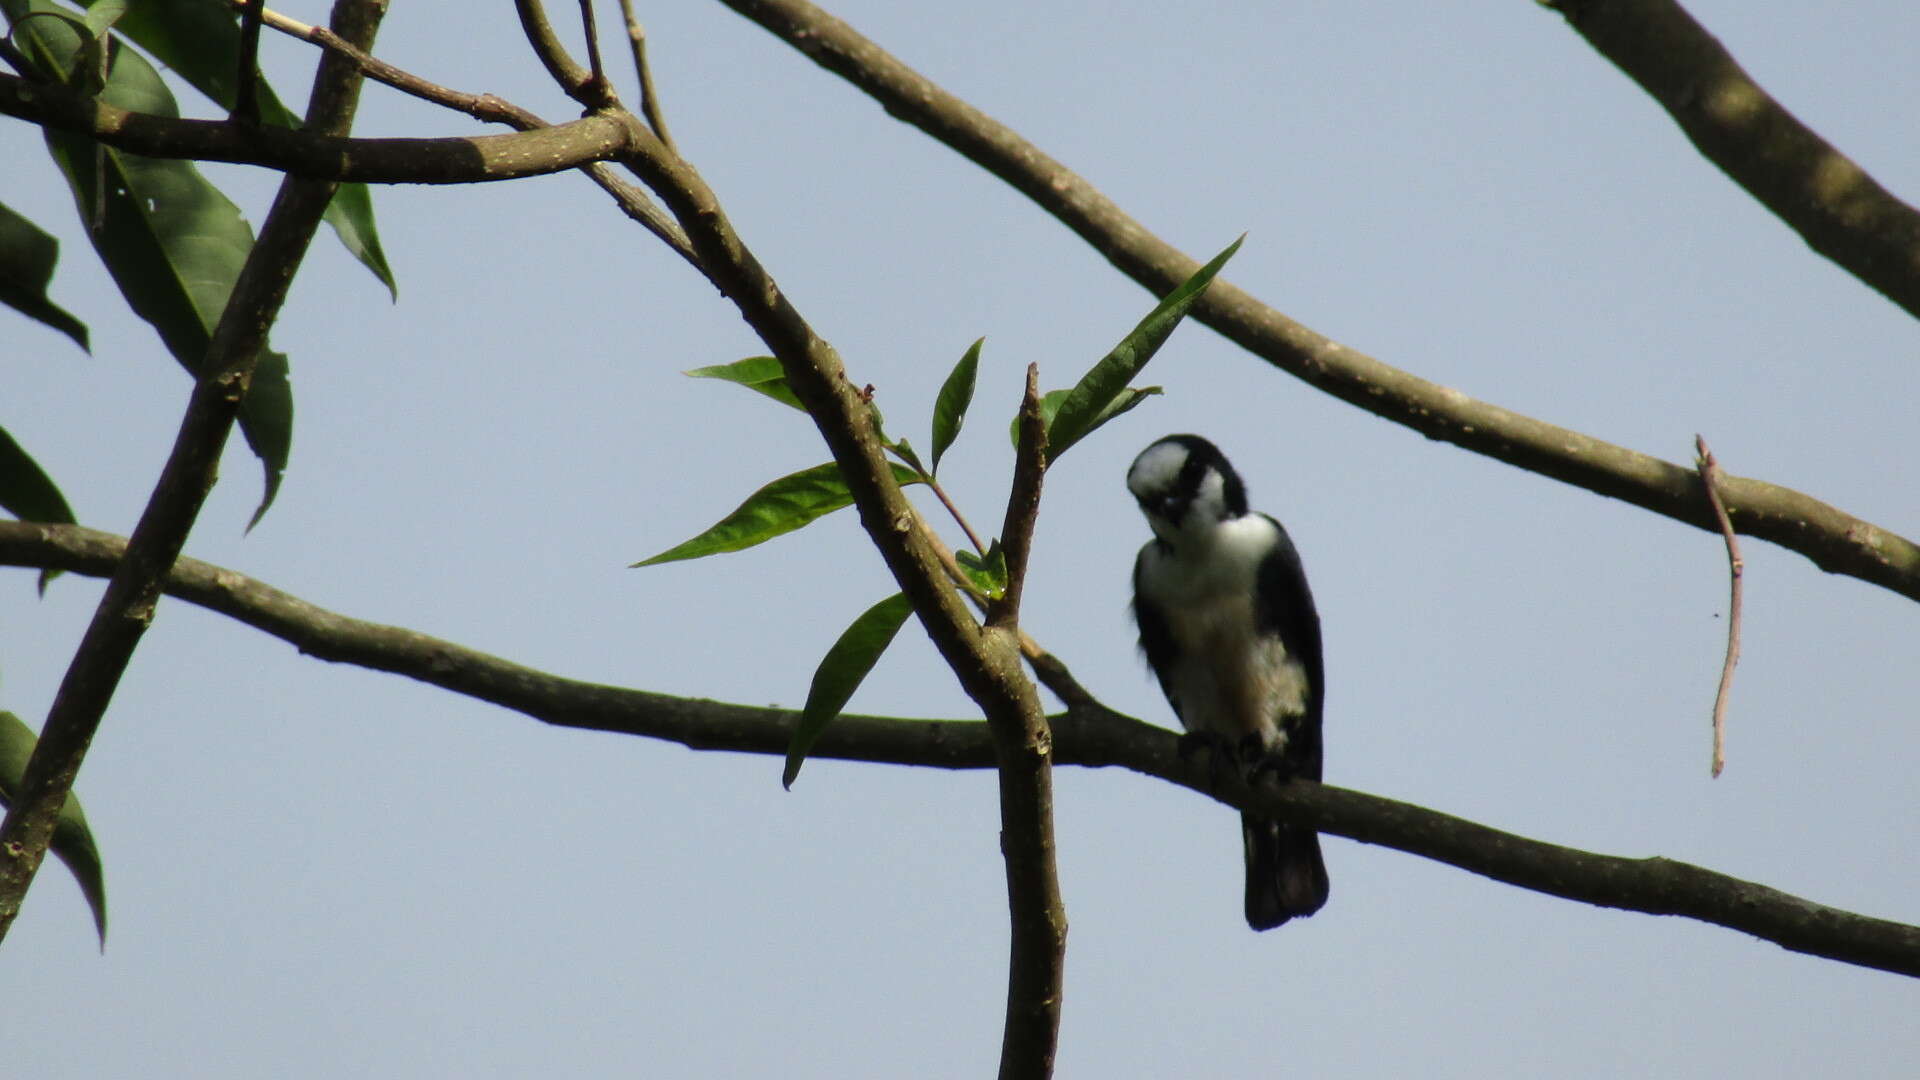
point(1836, 542)
point(317, 155)
point(126, 608)
point(1839, 210)
point(1086, 735)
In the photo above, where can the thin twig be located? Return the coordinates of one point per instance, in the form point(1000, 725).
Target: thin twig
point(1710, 479)
point(126, 608)
point(592, 28)
point(1086, 735)
point(649, 97)
point(1023, 502)
point(959, 518)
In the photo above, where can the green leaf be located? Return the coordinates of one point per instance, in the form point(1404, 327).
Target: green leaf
point(780, 507)
point(72, 840)
point(950, 408)
point(840, 673)
point(988, 574)
point(1051, 401)
point(761, 374)
point(905, 450)
point(28, 493)
point(173, 243)
point(200, 41)
point(27, 257)
point(102, 14)
point(1086, 407)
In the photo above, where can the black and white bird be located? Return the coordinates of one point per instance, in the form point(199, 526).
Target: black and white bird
point(1228, 624)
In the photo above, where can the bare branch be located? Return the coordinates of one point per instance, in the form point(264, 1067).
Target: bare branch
point(649, 97)
point(1023, 502)
point(632, 201)
point(1736, 572)
point(1835, 541)
point(468, 160)
point(1087, 735)
point(126, 608)
point(1839, 210)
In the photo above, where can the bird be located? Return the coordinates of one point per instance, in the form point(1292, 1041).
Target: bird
point(1229, 627)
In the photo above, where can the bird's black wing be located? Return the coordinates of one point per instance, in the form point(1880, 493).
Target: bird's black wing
point(1289, 612)
point(1156, 640)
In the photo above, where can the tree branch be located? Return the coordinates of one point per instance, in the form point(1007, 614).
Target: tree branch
point(126, 608)
point(1087, 735)
point(1835, 541)
point(464, 160)
point(1839, 210)
point(1036, 974)
point(985, 660)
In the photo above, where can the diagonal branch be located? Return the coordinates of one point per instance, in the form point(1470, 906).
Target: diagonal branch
point(986, 660)
point(126, 608)
point(1839, 210)
point(1087, 735)
point(1834, 540)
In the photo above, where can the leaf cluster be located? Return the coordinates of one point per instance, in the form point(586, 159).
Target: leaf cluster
point(798, 499)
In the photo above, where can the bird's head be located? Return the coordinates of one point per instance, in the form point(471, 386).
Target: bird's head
point(1186, 487)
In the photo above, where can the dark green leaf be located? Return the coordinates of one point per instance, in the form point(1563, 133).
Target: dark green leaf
point(200, 41)
point(72, 840)
point(173, 243)
point(760, 374)
point(840, 673)
point(950, 408)
point(27, 258)
point(26, 491)
point(780, 507)
point(989, 575)
point(1086, 407)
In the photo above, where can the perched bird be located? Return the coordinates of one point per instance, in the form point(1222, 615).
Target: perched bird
point(1229, 627)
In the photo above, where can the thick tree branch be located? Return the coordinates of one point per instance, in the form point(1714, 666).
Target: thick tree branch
point(1087, 735)
point(127, 606)
point(1839, 210)
point(464, 160)
point(1834, 540)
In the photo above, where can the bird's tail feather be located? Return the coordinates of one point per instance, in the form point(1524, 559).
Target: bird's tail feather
point(1285, 875)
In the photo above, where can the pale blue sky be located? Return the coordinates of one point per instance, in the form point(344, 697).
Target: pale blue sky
point(315, 871)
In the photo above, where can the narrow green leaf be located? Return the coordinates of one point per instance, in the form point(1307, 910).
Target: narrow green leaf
point(27, 257)
point(1086, 407)
point(988, 574)
point(950, 408)
point(905, 450)
point(200, 41)
point(840, 673)
point(760, 374)
point(780, 507)
point(72, 840)
point(172, 241)
point(1051, 401)
point(26, 491)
